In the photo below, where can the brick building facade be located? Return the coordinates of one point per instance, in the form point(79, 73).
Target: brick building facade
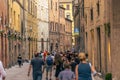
point(62, 28)
point(3, 32)
point(98, 34)
point(115, 38)
point(68, 34)
point(101, 20)
point(101, 24)
point(53, 24)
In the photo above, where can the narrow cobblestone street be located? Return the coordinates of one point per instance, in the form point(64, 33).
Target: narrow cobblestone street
point(16, 73)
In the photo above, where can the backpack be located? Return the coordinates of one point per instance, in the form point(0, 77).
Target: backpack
point(49, 60)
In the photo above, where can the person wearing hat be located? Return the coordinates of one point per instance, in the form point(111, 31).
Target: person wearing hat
point(84, 69)
point(49, 65)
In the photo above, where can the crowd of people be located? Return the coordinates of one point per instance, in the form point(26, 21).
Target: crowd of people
point(67, 65)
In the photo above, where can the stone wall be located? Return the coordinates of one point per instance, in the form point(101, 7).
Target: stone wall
point(115, 38)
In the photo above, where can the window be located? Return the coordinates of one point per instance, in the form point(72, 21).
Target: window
point(10, 15)
point(31, 7)
point(50, 26)
point(42, 44)
point(60, 13)
point(1, 19)
point(5, 20)
point(53, 26)
point(56, 27)
point(18, 20)
point(68, 7)
point(28, 5)
point(99, 49)
point(36, 11)
point(14, 19)
point(63, 14)
point(91, 13)
point(56, 6)
point(68, 15)
point(51, 4)
point(98, 8)
point(83, 10)
point(61, 5)
point(64, 27)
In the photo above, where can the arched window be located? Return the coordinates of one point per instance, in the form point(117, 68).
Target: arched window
point(51, 47)
point(42, 44)
point(67, 7)
point(68, 15)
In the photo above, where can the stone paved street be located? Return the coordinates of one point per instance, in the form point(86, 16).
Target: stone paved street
point(16, 73)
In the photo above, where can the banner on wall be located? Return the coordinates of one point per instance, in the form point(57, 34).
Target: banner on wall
point(76, 31)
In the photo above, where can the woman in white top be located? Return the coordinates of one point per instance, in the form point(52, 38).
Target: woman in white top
point(2, 72)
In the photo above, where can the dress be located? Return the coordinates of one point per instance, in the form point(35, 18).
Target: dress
point(84, 71)
point(2, 71)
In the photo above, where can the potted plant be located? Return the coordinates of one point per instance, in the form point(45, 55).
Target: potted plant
point(108, 76)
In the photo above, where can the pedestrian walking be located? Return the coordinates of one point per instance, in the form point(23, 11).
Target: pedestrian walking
point(66, 74)
point(84, 69)
point(49, 65)
point(44, 55)
point(77, 60)
point(36, 65)
point(41, 54)
point(19, 60)
point(59, 65)
point(73, 65)
point(2, 72)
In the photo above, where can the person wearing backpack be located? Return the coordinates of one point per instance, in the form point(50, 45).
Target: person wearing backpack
point(49, 64)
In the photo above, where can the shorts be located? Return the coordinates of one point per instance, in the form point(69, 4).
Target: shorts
point(37, 75)
point(49, 68)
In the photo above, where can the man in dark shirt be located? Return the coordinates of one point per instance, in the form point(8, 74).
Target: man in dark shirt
point(36, 64)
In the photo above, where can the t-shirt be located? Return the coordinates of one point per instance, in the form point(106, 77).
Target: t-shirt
point(67, 74)
point(37, 64)
point(19, 58)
